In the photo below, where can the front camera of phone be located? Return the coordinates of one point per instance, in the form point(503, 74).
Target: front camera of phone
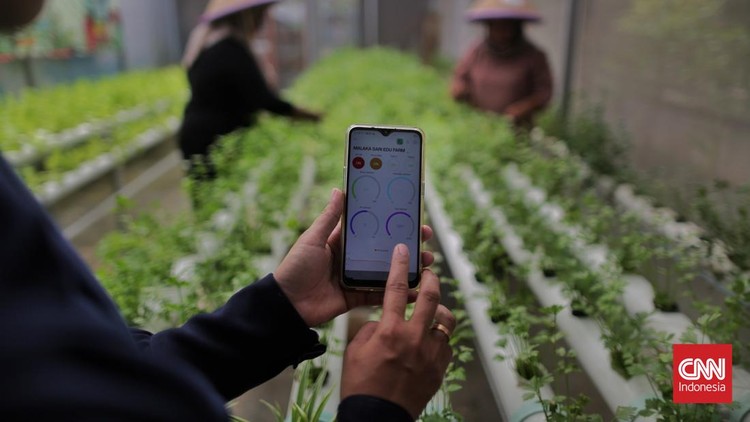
point(385, 132)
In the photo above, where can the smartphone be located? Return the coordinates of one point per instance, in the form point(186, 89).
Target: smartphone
point(384, 189)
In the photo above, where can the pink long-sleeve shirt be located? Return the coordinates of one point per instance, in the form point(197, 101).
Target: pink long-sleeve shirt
point(516, 83)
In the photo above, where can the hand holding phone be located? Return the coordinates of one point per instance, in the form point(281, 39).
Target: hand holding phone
point(384, 174)
point(310, 273)
point(396, 359)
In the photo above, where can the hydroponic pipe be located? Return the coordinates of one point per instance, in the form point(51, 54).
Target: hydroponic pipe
point(639, 298)
point(638, 295)
point(145, 179)
point(53, 191)
point(584, 335)
point(30, 154)
point(502, 376)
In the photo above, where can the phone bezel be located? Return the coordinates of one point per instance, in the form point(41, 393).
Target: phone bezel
point(379, 285)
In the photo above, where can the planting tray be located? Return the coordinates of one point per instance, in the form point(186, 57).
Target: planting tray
point(661, 219)
point(584, 335)
point(638, 295)
point(502, 376)
point(75, 136)
point(52, 192)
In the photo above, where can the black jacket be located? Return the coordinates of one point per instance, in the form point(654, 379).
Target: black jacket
point(66, 353)
point(227, 91)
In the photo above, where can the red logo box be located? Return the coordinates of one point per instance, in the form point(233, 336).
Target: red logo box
point(702, 373)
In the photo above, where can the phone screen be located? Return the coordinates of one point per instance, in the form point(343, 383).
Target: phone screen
point(383, 203)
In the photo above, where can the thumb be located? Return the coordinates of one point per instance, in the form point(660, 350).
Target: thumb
point(322, 227)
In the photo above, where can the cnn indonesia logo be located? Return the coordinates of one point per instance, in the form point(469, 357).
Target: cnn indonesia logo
point(702, 373)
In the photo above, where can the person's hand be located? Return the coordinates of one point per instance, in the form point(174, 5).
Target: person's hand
point(463, 97)
point(306, 115)
point(309, 275)
point(401, 360)
point(516, 112)
point(511, 118)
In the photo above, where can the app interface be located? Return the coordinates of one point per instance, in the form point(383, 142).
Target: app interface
point(383, 201)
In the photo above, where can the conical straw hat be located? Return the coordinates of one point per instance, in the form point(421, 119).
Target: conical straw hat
point(502, 9)
point(217, 9)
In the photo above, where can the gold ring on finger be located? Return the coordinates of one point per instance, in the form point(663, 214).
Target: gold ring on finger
point(443, 329)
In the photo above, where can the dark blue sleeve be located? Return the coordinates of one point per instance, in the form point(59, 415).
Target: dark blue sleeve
point(246, 342)
point(66, 353)
point(361, 408)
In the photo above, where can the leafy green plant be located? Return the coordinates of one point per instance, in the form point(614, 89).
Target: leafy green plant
point(441, 408)
point(728, 322)
point(59, 162)
point(136, 265)
point(725, 212)
point(310, 400)
point(22, 123)
point(227, 271)
point(567, 406)
point(588, 135)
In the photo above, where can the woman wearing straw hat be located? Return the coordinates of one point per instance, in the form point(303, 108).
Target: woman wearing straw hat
point(504, 73)
point(227, 84)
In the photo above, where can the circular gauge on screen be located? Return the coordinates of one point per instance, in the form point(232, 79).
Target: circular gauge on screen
point(401, 191)
point(400, 225)
point(365, 189)
point(364, 224)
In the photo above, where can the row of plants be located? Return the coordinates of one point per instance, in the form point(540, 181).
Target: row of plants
point(117, 143)
point(137, 263)
point(722, 260)
point(636, 350)
point(33, 117)
point(671, 267)
point(721, 209)
point(564, 183)
point(348, 89)
point(485, 281)
point(542, 357)
point(94, 126)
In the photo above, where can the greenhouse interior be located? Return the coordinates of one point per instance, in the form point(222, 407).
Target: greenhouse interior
point(187, 247)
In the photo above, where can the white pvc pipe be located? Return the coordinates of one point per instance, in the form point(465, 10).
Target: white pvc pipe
point(661, 219)
point(131, 189)
point(333, 362)
point(336, 360)
point(53, 191)
point(582, 334)
point(69, 138)
point(638, 294)
point(281, 238)
point(208, 243)
point(502, 376)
